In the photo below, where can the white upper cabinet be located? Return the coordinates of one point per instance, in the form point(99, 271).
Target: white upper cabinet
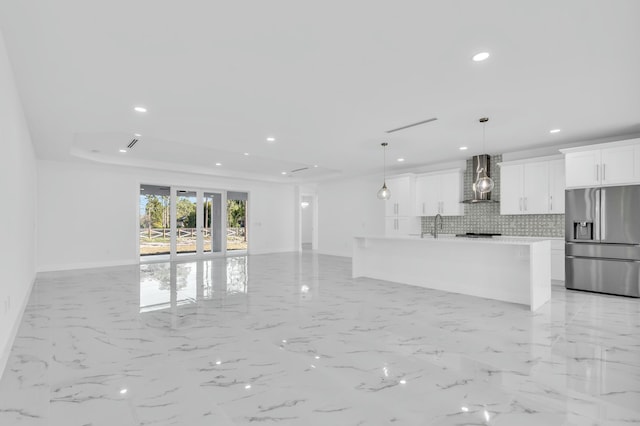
point(402, 195)
point(427, 198)
point(511, 178)
point(536, 188)
point(451, 187)
point(582, 168)
point(615, 163)
point(530, 187)
point(556, 186)
point(439, 193)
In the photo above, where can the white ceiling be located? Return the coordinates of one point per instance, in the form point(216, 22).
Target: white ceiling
point(326, 79)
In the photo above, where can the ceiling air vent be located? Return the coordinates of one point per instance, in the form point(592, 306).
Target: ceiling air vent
point(132, 143)
point(299, 170)
point(412, 125)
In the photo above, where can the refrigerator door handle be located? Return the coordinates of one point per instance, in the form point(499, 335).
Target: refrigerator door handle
point(596, 222)
point(603, 213)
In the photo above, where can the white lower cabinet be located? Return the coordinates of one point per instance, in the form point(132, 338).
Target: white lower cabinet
point(557, 260)
point(401, 226)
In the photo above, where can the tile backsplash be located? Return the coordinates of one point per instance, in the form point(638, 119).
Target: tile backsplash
point(486, 217)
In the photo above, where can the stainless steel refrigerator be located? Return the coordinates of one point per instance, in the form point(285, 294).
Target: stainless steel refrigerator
point(602, 233)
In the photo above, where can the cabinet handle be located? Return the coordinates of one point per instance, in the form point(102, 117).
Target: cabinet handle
point(525, 204)
point(520, 203)
point(604, 172)
point(441, 206)
point(597, 173)
point(551, 203)
point(423, 208)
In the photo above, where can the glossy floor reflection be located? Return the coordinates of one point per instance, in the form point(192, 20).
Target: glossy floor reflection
point(292, 339)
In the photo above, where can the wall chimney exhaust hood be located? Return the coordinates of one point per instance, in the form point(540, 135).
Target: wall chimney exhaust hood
point(479, 162)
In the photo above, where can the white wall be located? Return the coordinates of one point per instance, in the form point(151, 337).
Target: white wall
point(347, 208)
point(90, 212)
point(18, 209)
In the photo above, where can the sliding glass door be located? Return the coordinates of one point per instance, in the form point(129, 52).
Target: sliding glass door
point(188, 238)
point(154, 233)
point(198, 222)
point(181, 222)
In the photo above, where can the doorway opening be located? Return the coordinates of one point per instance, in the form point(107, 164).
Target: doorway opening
point(237, 230)
point(308, 221)
point(307, 217)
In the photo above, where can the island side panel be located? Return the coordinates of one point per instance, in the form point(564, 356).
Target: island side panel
point(490, 270)
point(540, 274)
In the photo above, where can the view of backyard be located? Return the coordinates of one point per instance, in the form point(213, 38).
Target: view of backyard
point(155, 224)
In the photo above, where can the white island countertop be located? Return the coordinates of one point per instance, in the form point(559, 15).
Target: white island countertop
point(509, 240)
point(511, 269)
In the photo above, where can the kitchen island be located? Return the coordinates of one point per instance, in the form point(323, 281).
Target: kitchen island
point(509, 269)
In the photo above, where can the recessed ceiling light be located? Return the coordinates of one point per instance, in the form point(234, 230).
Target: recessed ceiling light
point(463, 148)
point(140, 109)
point(246, 153)
point(271, 139)
point(218, 164)
point(554, 131)
point(283, 173)
point(315, 165)
point(123, 150)
point(400, 160)
point(123, 391)
point(137, 135)
point(480, 56)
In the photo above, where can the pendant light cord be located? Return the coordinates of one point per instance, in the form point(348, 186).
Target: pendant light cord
point(384, 162)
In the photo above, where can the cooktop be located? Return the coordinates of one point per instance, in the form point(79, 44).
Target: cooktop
point(477, 235)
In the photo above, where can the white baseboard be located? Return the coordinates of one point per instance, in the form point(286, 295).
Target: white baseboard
point(271, 251)
point(87, 265)
point(6, 351)
point(331, 253)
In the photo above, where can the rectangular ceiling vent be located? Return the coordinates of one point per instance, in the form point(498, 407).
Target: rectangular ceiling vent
point(132, 143)
point(412, 125)
point(299, 170)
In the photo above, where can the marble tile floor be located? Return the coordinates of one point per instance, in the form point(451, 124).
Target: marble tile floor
point(292, 339)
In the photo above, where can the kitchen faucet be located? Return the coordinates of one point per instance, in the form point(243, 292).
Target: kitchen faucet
point(435, 225)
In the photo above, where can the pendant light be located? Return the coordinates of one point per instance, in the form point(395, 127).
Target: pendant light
point(384, 193)
point(483, 183)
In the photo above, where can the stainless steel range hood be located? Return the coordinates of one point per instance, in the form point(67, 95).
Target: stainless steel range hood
point(479, 162)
